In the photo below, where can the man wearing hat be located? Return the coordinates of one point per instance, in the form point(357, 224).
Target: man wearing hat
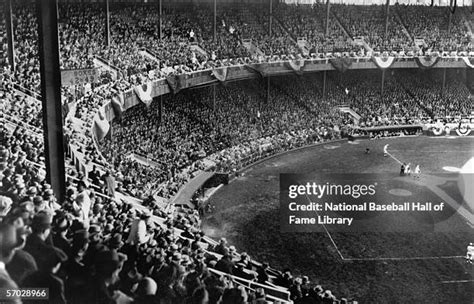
point(78, 273)
point(225, 264)
point(241, 272)
point(6, 180)
point(109, 183)
point(101, 288)
point(138, 230)
point(95, 245)
point(146, 291)
point(30, 193)
point(83, 201)
point(46, 276)
point(17, 191)
point(8, 245)
point(60, 239)
point(221, 248)
point(22, 263)
point(36, 242)
point(115, 242)
point(50, 200)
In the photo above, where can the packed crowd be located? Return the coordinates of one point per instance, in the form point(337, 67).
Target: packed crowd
point(243, 123)
point(432, 23)
point(95, 247)
point(137, 54)
point(452, 100)
point(190, 127)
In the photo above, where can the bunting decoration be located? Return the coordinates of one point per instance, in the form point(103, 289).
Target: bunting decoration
point(426, 62)
point(117, 105)
point(144, 93)
point(467, 61)
point(177, 82)
point(463, 129)
point(220, 74)
point(260, 69)
point(101, 126)
point(296, 65)
point(341, 64)
point(383, 62)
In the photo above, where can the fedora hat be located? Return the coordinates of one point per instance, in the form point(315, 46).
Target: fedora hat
point(115, 241)
point(42, 220)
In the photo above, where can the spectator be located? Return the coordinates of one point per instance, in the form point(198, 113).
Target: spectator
point(8, 242)
point(39, 241)
point(46, 276)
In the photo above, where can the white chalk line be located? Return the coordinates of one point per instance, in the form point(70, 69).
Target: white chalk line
point(433, 151)
point(327, 232)
point(457, 281)
point(407, 258)
point(382, 258)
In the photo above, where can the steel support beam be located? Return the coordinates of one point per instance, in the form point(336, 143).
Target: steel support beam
point(51, 95)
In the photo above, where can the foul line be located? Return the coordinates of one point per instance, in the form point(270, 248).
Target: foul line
point(327, 232)
point(386, 258)
point(458, 281)
point(383, 258)
point(433, 151)
point(407, 258)
point(385, 150)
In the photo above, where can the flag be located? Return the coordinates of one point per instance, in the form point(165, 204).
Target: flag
point(426, 62)
point(117, 105)
point(383, 62)
point(101, 126)
point(296, 65)
point(220, 73)
point(177, 82)
point(144, 93)
point(341, 64)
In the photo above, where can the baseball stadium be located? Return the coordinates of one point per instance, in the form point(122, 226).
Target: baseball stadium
point(149, 148)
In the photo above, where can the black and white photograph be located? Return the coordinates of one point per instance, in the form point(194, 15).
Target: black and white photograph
point(236, 151)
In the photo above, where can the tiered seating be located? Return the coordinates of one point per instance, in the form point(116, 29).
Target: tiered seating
point(369, 22)
point(431, 24)
point(168, 247)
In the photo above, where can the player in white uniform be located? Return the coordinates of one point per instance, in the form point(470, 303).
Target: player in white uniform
point(408, 169)
point(470, 253)
point(416, 173)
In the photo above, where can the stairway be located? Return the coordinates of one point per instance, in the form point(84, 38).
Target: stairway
point(405, 31)
point(3, 38)
point(103, 64)
point(196, 48)
point(348, 110)
point(303, 45)
point(466, 18)
point(252, 48)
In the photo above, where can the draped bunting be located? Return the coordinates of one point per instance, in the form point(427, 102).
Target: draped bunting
point(383, 62)
point(296, 65)
point(177, 82)
point(260, 69)
point(463, 129)
point(426, 62)
point(341, 64)
point(144, 93)
point(101, 126)
point(467, 61)
point(220, 74)
point(117, 105)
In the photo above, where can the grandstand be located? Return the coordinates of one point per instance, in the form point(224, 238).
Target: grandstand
point(116, 134)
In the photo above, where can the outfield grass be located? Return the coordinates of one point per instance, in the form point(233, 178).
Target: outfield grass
point(247, 214)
